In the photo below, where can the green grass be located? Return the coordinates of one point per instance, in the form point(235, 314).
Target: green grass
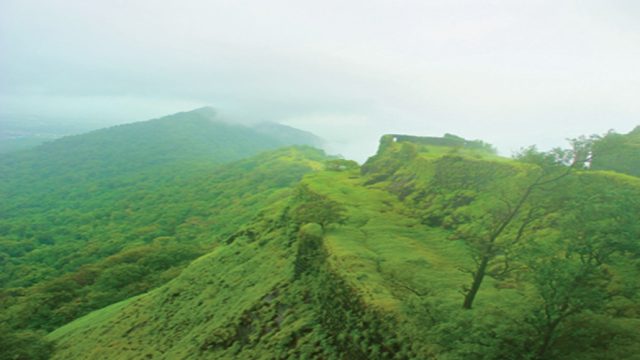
point(243, 301)
point(175, 320)
point(384, 252)
point(90, 320)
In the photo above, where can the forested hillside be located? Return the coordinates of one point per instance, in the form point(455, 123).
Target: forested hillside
point(430, 250)
point(108, 177)
point(109, 157)
point(93, 219)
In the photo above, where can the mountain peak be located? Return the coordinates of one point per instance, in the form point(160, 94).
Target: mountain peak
point(205, 111)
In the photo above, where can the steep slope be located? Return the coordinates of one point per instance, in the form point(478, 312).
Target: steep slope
point(370, 266)
point(223, 305)
point(618, 152)
point(137, 240)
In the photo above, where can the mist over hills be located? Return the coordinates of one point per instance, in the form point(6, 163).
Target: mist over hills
point(376, 180)
point(25, 133)
point(185, 136)
point(191, 237)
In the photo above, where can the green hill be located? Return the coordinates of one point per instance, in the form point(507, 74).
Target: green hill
point(127, 175)
point(93, 219)
point(379, 263)
point(77, 164)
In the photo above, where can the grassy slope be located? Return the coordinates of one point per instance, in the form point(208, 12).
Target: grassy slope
point(384, 250)
point(178, 319)
point(381, 250)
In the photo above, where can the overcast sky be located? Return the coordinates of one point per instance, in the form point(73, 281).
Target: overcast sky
point(510, 72)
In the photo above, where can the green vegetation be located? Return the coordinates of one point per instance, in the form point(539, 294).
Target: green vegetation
point(143, 239)
point(74, 238)
point(84, 198)
point(434, 248)
point(618, 152)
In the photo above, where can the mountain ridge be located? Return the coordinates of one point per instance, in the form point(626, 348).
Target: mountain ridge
point(368, 263)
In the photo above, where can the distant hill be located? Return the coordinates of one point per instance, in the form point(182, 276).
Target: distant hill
point(80, 215)
point(95, 171)
point(75, 166)
point(194, 136)
point(618, 152)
